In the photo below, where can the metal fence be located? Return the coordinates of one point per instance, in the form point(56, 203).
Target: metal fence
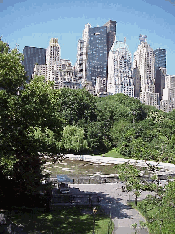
point(87, 180)
point(86, 199)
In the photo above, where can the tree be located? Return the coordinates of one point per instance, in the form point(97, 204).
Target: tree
point(4, 47)
point(12, 75)
point(131, 175)
point(97, 136)
point(77, 107)
point(30, 127)
point(118, 131)
point(73, 139)
point(159, 211)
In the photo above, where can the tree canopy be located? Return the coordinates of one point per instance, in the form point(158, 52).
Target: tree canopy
point(12, 73)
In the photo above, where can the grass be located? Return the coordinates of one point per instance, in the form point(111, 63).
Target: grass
point(63, 220)
point(113, 153)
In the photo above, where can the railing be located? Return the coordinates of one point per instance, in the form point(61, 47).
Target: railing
point(87, 199)
point(88, 180)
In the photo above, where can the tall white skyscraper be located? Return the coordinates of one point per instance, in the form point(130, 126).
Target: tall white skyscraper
point(85, 49)
point(143, 67)
point(53, 59)
point(120, 70)
point(53, 52)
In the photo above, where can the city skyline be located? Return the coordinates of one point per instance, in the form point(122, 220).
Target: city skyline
point(30, 23)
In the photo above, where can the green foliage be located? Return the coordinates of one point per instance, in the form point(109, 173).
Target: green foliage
point(120, 122)
point(98, 136)
point(30, 123)
point(118, 131)
point(112, 153)
point(73, 138)
point(120, 106)
point(149, 139)
point(115, 114)
point(4, 47)
point(160, 211)
point(12, 73)
point(131, 175)
point(76, 106)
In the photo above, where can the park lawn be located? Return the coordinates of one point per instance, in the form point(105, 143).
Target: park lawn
point(113, 154)
point(63, 220)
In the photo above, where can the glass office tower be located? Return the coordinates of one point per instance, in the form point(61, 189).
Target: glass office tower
point(32, 56)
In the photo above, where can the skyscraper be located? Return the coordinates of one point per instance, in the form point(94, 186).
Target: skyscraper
point(160, 58)
point(97, 54)
point(92, 56)
point(144, 67)
point(32, 56)
point(53, 59)
point(79, 62)
point(160, 70)
point(120, 70)
point(111, 34)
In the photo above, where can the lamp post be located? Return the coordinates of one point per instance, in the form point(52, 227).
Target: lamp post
point(94, 213)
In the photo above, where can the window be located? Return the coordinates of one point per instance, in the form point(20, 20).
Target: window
point(97, 33)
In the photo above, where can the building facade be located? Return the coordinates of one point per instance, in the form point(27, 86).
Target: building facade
point(97, 55)
point(111, 34)
point(167, 103)
point(92, 56)
point(32, 56)
point(40, 70)
point(53, 60)
point(120, 70)
point(160, 70)
point(79, 62)
point(144, 75)
point(58, 70)
point(160, 75)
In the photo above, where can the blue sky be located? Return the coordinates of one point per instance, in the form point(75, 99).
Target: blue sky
point(34, 22)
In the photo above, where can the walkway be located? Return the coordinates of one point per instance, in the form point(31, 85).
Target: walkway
point(113, 200)
point(114, 203)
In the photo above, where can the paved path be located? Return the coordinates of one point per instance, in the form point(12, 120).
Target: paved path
point(114, 203)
